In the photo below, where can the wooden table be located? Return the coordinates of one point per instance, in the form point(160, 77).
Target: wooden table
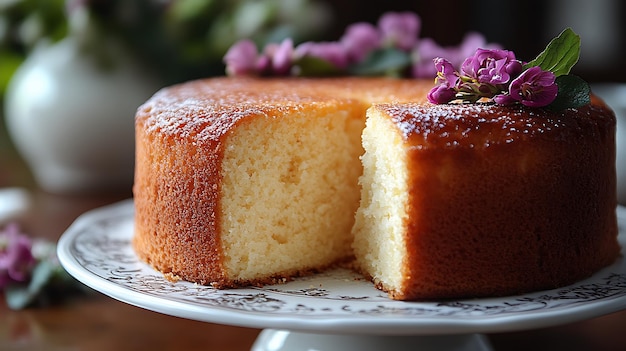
point(97, 322)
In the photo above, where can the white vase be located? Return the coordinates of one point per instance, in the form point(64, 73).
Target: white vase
point(70, 115)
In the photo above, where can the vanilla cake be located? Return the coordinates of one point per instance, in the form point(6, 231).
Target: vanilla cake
point(246, 181)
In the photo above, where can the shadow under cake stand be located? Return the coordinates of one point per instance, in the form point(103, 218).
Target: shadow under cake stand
point(334, 310)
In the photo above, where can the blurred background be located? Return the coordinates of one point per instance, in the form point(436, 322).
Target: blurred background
point(72, 72)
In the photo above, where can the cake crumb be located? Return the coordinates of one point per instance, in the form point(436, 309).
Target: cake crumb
point(172, 277)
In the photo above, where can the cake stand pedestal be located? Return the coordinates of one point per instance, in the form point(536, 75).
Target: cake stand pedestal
point(284, 340)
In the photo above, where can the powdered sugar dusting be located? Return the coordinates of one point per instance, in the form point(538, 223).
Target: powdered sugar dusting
point(207, 109)
point(479, 125)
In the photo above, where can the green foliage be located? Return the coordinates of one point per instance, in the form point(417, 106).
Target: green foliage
point(23, 24)
point(560, 55)
point(9, 62)
point(573, 92)
point(384, 62)
point(181, 40)
point(310, 66)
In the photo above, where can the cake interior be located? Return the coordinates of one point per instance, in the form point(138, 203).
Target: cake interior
point(380, 220)
point(289, 192)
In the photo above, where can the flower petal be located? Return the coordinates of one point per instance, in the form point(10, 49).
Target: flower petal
point(241, 58)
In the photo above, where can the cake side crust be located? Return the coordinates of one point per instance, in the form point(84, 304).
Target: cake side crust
point(174, 183)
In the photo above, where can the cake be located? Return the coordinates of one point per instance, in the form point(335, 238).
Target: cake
point(253, 181)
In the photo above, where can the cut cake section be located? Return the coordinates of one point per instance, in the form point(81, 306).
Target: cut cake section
point(483, 200)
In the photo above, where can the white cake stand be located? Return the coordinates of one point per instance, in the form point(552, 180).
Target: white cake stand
point(336, 310)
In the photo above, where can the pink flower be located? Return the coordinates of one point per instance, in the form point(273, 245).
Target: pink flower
point(445, 83)
point(533, 88)
point(359, 40)
point(330, 51)
point(470, 43)
point(492, 66)
point(279, 58)
point(16, 258)
point(426, 50)
point(446, 74)
point(400, 29)
point(441, 94)
point(241, 58)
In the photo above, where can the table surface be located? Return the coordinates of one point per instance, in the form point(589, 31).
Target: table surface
point(96, 322)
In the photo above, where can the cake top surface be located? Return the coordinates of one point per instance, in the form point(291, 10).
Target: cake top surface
point(453, 125)
point(210, 107)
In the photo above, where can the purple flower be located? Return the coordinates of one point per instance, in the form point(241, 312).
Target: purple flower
point(278, 58)
point(470, 43)
point(441, 94)
point(504, 99)
point(427, 50)
point(330, 51)
point(399, 29)
point(445, 83)
point(359, 40)
point(446, 74)
point(491, 66)
point(533, 88)
point(241, 58)
point(16, 258)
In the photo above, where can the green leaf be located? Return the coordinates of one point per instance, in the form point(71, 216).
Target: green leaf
point(573, 92)
point(560, 55)
point(389, 62)
point(8, 65)
point(20, 296)
point(310, 66)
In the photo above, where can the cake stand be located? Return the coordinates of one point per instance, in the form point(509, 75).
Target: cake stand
point(335, 310)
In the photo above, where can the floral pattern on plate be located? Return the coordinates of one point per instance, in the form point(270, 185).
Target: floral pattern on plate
point(97, 250)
